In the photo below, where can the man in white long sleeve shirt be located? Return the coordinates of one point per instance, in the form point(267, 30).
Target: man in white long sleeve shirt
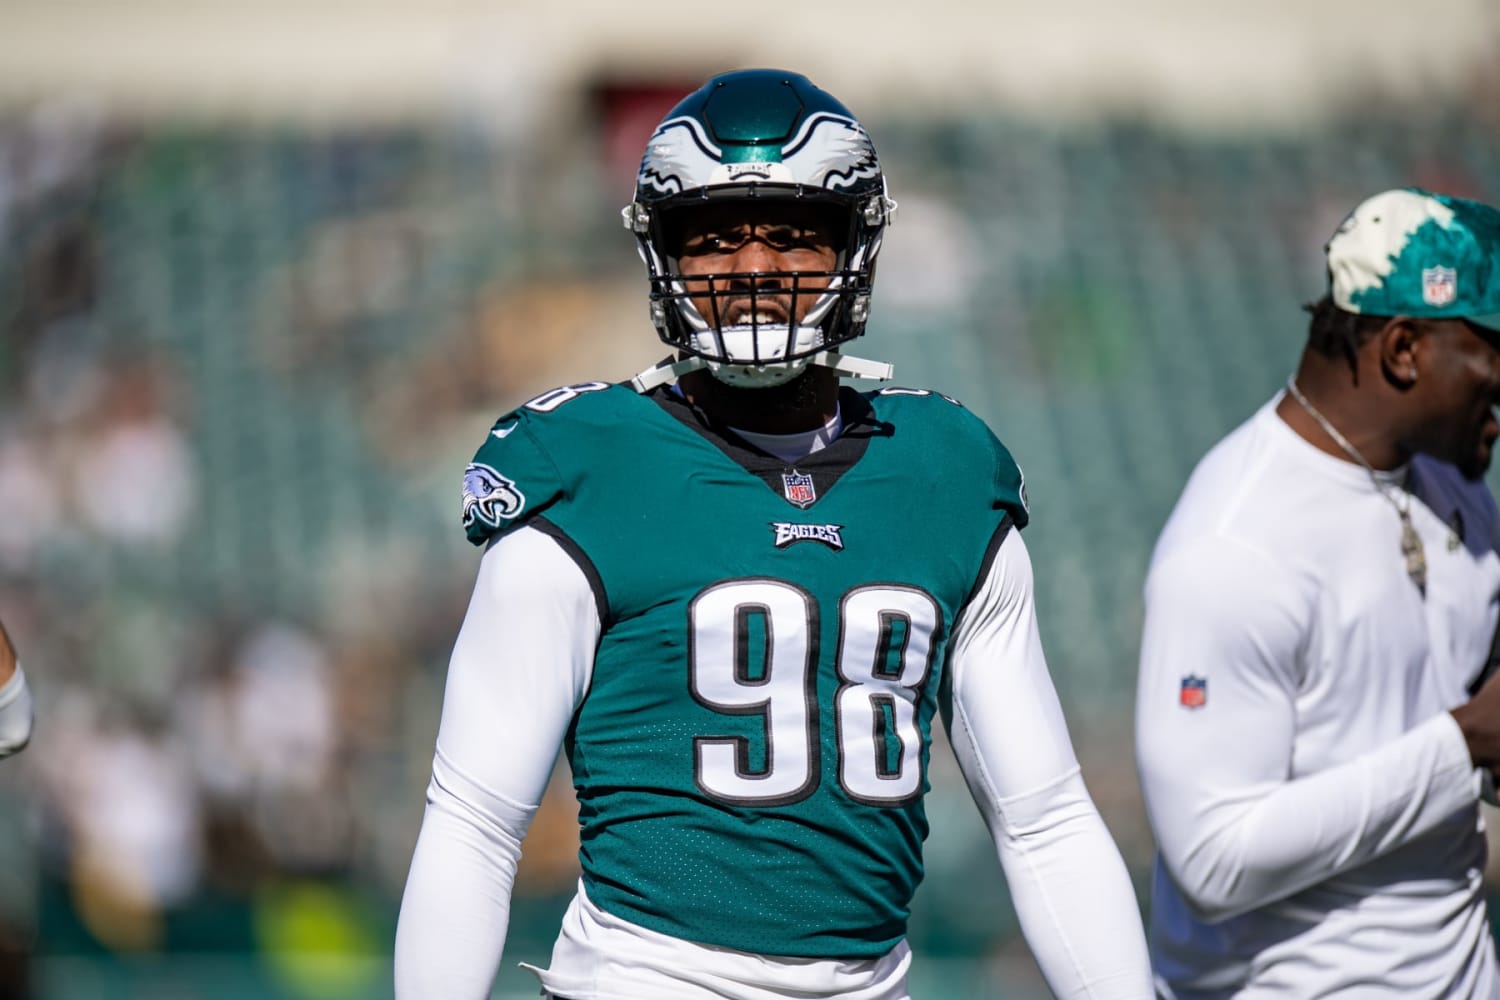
point(736, 594)
point(1319, 609)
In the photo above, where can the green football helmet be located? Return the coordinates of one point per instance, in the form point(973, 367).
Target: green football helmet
point(757, 135)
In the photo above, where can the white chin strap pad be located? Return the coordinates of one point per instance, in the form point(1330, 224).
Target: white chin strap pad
point(757, 376)
point(756, 345)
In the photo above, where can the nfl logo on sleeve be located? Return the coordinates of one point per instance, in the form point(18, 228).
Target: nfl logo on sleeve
point(1194, 692)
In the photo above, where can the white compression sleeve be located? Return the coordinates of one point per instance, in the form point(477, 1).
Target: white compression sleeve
point(520, 666)
point(1071, 890)
point(16, 712)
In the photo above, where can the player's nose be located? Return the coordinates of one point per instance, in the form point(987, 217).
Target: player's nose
point(756, 257)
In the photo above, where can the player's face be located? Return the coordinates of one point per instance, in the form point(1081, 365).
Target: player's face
point(1459, 382)
point(756, 262)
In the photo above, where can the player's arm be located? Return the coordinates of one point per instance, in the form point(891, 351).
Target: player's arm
point(1234, 829)
point(1071, 890)
point(519, 668)
point(15, 700)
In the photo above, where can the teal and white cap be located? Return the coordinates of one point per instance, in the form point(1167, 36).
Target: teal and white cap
point(1410, 252)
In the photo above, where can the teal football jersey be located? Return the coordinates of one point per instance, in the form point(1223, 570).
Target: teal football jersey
point(751, 755)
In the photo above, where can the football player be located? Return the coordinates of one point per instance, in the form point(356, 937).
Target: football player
point(737, 593)
point(15, 700)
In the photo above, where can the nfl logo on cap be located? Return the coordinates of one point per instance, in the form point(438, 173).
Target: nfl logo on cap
point(1194, 692)
point(1439, 285)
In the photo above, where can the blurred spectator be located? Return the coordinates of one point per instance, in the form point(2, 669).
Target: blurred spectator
point(264, 737)
point(30, 499)
point(125, 794)
point(57, 145)
point(133, 476)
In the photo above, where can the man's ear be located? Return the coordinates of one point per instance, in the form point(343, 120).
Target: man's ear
point(1397, 342)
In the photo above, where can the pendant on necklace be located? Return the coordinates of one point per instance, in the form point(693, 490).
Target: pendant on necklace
point(1455, 531)
point(1416, 559)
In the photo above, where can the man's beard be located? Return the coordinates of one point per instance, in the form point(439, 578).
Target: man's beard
point(1475, 466)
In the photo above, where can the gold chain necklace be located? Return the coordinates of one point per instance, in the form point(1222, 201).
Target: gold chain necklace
point(1411, 543)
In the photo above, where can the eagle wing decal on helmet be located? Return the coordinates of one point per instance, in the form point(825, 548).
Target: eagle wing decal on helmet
point(832, 151)
point(678, 157)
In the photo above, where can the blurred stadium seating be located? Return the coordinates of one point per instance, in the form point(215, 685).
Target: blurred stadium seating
point(241, 370)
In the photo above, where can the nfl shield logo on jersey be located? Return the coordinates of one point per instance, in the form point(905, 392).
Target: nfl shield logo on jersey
point(1439, 285)
point(798, 488)
point(1194, 693)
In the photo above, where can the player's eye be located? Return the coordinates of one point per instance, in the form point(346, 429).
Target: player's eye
point(715, 241)
point(794, 237)
point(780, 237)
point(783, 238)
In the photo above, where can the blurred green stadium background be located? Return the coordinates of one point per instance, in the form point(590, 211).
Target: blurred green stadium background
point(252, 325)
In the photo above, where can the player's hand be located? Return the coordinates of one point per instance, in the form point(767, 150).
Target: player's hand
point(1479, 720)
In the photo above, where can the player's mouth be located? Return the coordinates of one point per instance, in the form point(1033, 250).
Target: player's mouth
point(761, 313)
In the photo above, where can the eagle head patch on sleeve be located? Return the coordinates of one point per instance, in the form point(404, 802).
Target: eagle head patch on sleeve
point(489, 497)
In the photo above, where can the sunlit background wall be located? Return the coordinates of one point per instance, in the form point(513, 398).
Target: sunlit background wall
point(269, 271)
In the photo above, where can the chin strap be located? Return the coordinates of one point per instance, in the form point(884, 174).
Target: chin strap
point(840, 364)
point(664, 372)
point(852, 367)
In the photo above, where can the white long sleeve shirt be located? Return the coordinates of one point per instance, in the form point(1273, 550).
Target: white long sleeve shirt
point(524, 655)
point(1313, 800)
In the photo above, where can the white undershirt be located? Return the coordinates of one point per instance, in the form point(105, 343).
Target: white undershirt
point(1316, 816)
point(525, 654)
point(792, 447)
